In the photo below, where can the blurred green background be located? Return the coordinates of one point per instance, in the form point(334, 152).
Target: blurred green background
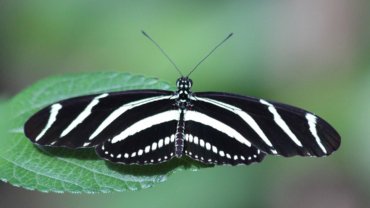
point(312, 54)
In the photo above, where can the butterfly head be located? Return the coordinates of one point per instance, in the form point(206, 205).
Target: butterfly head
point(184, 84)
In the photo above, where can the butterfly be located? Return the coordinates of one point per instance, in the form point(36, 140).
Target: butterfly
point(149, 127)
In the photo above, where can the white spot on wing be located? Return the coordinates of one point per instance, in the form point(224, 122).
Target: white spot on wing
point(208, 146)
point(166, 140)
point(160, 143)
point(312, 124)
point(281, 123)
point(52, 118)
point(214, 149)
point(154, 146)
point(172, 138)
point(147, 149)
point(196, 140)
point(83, 115)
point(201, 142)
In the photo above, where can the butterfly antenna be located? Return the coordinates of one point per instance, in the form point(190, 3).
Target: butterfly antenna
point(218, 45)
point(163, 52)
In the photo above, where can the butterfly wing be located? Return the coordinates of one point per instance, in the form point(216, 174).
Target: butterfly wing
point(147, 141)
point(207, 143)
point(87, 121)
point(271, 127)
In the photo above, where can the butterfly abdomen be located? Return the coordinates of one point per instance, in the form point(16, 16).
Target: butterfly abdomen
point(180, 129)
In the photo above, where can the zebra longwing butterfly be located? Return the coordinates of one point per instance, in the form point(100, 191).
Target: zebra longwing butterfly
point(154, 126)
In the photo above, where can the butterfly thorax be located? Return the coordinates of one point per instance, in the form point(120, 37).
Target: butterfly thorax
point(184, 85)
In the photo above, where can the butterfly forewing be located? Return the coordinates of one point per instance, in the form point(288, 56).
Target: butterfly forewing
point(272, 127)
point(89, 120)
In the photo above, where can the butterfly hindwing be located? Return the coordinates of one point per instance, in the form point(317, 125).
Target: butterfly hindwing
point(207, 143)
point(272, 127)
point(144, 146)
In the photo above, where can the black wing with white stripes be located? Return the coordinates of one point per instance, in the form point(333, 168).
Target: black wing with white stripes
point(86, 121)
point(271, 127)
point(143, 145)
point(208, 143)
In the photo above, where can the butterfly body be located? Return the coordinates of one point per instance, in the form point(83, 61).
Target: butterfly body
point(183, 102)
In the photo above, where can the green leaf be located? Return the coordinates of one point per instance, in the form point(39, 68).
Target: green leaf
point(65, 170)
point(3, 128)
